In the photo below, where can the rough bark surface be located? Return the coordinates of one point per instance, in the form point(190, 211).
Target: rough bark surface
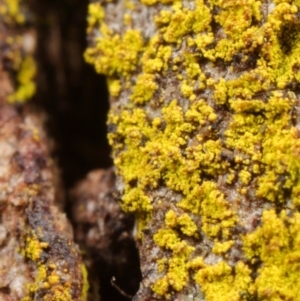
point(38, 257)
point(204, 127)
point(104, 233)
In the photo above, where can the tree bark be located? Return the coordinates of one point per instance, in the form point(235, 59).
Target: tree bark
point(204, 126)
point(39, 259)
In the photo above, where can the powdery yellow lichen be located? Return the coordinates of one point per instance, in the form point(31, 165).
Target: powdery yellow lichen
point(144, 88)
point(34, 247)
point(22, 66)
point(85, 286)
point(95, 15)
point(276, 244)
point(11, 12)
point(231, 128)
point(114, 55)
point(47, 276)
point(221, 248)
point(171, 219)
point(177, 274)
point(161, 286)
point(218, 283)
point(26, 86)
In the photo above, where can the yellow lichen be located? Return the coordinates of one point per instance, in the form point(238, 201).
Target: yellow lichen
point(47, 276)
point(171, 219)
point(161, 286)
point(95, 15)
point(114, 55)
point(166, 238)
point(218, 283)
point(19, 58)
point(144, 88)
point(53, 279)
point(209, 203)
point(221, 248)
point(234, 128)
point(34, 247)
point(11, 11)
point(25, 79)
point(85, 286)
point(161, 264)
point(177, 274)
point(187, 226)
point(276, 244)
point(114, 87)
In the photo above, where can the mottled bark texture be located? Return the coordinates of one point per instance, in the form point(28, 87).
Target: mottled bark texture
point(204, 126)
point(104, 233)
point(38, 257)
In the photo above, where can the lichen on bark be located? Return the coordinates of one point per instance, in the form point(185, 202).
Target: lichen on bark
point(17, 50)
point(39, 259)
point(204, 127)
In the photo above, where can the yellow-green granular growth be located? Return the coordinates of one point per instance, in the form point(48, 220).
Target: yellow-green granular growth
point(10, 11)
point(234, 67)
point(34, 247)
point(144, 88)
point(26, 86)
point(47, 277)
point(276, 244)
point(22, 65)
point(85, 287)
point(177, 274)
point(219, 284)
point(115, 55)
point(95, 15)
